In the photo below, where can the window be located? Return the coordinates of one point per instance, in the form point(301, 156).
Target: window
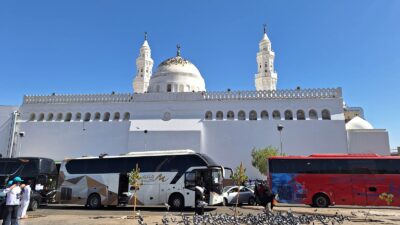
point(313, 114)
point(219, 115)
point(127, 116)
point(253, 115)
point(264, 115)
point(326, 115)
point(78, 117)
point(50, 117)
point(230, 115)
point(116, 116)
point(208, 115)
point(68, 117)
point(97, 116)
point(276, 115)
point(169, 87)
point(32, 117)
point(41, 117)
point(106, 116)
point(241, 115)
point(87, 117)
point(300, 115)
point(288, 115)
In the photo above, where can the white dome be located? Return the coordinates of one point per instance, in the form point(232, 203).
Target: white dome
point(358, 123)
point(176, 75)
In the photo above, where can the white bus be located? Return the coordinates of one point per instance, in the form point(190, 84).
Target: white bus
point(167, 177)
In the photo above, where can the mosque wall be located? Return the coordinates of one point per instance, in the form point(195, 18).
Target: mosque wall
point(368, 141)
point(5, 127)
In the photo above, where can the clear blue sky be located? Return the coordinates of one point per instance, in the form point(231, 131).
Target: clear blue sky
point(90, 46)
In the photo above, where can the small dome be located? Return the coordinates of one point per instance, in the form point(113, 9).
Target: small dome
point(358, 123)
point(176, 75)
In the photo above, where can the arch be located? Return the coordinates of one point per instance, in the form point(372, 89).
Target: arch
point(219, 115)
point(78, 116)
point(68, 117)
point(41, 117)
point(230, 115)
point(87, 117)
point(50, 117)
point(241, 115)
point(264, 115)
point(288, 115)
point(276, 115)
point(208, 115)
point(32, 117)
point(300, 115)
point(97, 116)
point(117, 116)
point(312, 114)
point(127, 116)
point(253, 115)
point(106, 116)
point(169, 87)
point(59, 117)
point(325, 114)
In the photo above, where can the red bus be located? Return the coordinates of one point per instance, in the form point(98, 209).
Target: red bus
point(336, 179)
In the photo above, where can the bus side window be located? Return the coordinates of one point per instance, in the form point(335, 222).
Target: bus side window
point(362, 166)
point(190, 180)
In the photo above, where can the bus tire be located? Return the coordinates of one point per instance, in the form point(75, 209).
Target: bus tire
point(94, 201)
point(34, 205)
point(176, 201)
point(321, 200)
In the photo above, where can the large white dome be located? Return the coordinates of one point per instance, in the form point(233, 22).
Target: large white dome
point(358, 123)
point(176, 75)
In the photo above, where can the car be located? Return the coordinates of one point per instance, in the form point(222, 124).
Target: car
point(246, 195)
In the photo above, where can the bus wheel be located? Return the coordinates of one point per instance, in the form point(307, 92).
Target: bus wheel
point(176, 201)
point(33, 206)
point(94, 201)
point(321, 201)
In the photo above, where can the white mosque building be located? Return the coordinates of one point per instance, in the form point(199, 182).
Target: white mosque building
point(171, 109)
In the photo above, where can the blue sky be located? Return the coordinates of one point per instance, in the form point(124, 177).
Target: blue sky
point(90, 46)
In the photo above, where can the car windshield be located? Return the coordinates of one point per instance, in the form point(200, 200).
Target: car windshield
point(226, 188)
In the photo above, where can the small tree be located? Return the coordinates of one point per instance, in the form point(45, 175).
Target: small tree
point(239, 177)
point(135, 180)
point(260, 156)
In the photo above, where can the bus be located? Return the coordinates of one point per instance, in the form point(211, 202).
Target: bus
point(322, 180)
point(167, 177)
point(41, 171)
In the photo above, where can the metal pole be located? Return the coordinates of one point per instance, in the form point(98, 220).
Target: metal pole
point(280, 136)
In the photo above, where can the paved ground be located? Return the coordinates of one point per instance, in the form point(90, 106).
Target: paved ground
point(67, 215)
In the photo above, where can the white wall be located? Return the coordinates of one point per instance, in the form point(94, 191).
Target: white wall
point(5, 127)
point(369, 141)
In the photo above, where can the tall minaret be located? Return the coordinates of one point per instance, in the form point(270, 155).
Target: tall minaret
point(144, 65)
point(266, 77)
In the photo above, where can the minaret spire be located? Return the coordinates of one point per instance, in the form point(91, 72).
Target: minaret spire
point(266, 77)
point(178, 50)
point(265, 28)
point(145, 36)
point(144, 65)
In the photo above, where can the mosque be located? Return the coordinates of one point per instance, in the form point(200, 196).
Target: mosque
point(171, 109)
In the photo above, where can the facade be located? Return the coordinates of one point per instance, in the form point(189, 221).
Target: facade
point(172, 110)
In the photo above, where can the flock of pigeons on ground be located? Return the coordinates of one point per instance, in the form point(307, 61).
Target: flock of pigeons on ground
point(265, 218)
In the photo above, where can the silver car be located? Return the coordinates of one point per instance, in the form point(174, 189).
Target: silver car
point(246, 195)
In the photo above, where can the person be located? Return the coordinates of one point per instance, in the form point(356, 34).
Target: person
point(12, 201)
point(25, 199)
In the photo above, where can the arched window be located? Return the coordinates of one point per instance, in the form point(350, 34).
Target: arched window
point(59, 117)
point(288, 115)
point(276, 115)
point(97, 116)
point(127, 116)
point(169, 87)
point(241, 115)
point(117, 116)
point(300, 115)
point(68, 117)
point(50, 117)
point(208, 115)
point(230, 115)
point(219, 115)
point(264, 115)
point(326, 115)
point(41, 117)
point(106, 116)
point(32, 117)
point(253, 115)
point(313, 114)
point(87, 117)
point(78, 117)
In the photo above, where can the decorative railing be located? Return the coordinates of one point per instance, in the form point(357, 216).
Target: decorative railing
point(185, 96)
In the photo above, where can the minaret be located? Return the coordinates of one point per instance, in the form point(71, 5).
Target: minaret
point(266, 77)
point(144, 65)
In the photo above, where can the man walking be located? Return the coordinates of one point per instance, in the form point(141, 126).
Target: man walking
point(25, 199)
point(12, 202)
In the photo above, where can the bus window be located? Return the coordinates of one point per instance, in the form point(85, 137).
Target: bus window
point(362, 166)
point(30, 168)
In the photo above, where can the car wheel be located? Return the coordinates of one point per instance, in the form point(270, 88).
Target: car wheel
point(225, 203)
point(252, 201)
point(94, 201)
point(34, 205)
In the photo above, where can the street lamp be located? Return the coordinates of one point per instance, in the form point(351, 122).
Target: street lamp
point(280, 128)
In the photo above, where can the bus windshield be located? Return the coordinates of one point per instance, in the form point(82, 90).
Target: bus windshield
point(8, 167)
